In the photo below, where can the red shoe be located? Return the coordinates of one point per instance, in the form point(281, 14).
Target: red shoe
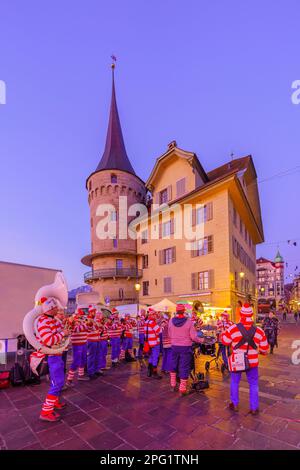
point(50, 416)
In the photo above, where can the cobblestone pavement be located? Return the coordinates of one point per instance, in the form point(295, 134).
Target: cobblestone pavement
point(126, 410)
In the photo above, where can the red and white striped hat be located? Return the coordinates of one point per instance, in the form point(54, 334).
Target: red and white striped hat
point(48, 304)
point(225, 314)
point(246, 310)
point(92, 308)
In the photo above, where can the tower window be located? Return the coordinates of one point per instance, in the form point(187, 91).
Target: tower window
point(90, 185)
point(113, 178)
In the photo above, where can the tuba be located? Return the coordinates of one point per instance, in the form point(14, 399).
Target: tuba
point(58, 291)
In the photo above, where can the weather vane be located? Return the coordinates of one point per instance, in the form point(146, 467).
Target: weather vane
point(114, 59)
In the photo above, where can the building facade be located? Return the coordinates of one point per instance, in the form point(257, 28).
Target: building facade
point(270, 279)
point(196, 239)
point(18, 285)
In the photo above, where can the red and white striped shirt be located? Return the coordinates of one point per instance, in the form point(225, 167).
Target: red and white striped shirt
point(129, 325)
point(93, 334)
point(79, 334)
point(232, 336)
point(115, 330)
point(152, 331)
point(50, 330)
point(103, 330)
point(141, 326)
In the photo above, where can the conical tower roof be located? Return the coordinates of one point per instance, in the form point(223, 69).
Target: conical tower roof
point(278, 258)
point(115, 155)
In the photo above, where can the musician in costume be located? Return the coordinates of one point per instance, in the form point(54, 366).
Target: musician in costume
point(103, 332)
point(49, 337)
point(182, 333)
point(93, 344)
point(79, 334)
point(152, 337)
point(222, 325)
point(114, 332)
point(51, 333)
point(141, 333)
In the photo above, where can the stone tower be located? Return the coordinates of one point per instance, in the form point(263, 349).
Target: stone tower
point(279, 278)
point(113, 259)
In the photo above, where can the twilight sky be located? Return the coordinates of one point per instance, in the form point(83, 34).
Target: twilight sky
point(214, 75)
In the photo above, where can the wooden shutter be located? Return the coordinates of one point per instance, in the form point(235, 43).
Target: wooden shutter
point(173, 254)
point(211, 279)
point(157, 198)
point(209, 211)
point(161, 257)
point(169, 190)
point(160, 230)
point(172, 226)
point(193, 250)
point(193, 217)
point(194, 281)
point(210, 244)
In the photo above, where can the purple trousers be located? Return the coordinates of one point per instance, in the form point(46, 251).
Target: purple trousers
point(127, 343)
point(252, 377)
point(167, 356)
point(141, 345)
point(93, 348)
point(115, 348)
point(79, 356)
point(154, 355)
point(57, 375)
point(181, 361)
point(101, 363)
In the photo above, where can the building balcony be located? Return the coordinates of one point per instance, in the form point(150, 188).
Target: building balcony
point(107, 273)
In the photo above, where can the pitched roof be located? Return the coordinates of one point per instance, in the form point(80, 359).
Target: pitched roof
point(115, 155)
point(230, 167)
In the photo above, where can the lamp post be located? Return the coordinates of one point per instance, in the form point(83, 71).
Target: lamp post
point(137, 287)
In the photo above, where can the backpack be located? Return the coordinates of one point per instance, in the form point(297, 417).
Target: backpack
point(239, 361)
point(4, 379)
point(17, 375)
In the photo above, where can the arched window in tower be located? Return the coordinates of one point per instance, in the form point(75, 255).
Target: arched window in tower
point(90, 185)
point(113, 178)
point(121, 294)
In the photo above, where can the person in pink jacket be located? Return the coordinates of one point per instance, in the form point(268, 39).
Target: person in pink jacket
point(183, 334)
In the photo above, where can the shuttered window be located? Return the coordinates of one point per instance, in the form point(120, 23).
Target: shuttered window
point(180, 187)
point(167, 285)
point(202, 214)
point(202, 247)
point(145, 261)
point(146, 288)
point(167, 256)
point(167, 228)
point(203, 280)
point(144, 237)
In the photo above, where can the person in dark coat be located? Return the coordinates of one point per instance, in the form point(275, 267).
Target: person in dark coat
point(271, 327)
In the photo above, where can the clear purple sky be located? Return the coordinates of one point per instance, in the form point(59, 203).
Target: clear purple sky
point(214, 75)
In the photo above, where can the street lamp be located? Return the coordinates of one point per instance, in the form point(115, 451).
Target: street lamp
point(137, 287)
point(242, 275)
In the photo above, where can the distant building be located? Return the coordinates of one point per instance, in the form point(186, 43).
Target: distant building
point(18, 285)
point(71, 307)
point(295, 294)
point(270, 279)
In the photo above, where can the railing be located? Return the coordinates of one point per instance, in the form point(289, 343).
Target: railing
point(112, 272)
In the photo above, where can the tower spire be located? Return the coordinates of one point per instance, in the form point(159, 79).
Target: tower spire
point(115, 155)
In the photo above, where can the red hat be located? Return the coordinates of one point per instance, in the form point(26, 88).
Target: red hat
point(246, 310)
point(225, 314)
point(114, 310)
point(92, 308)
point(180, 308)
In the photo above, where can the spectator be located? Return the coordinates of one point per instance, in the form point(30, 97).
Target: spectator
point(245, 339)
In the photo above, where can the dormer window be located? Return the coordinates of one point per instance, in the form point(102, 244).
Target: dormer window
point(113, 178)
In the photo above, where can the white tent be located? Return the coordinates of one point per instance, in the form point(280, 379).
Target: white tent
point(165, 305)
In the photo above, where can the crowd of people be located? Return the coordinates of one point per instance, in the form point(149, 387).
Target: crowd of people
point(157, 335)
